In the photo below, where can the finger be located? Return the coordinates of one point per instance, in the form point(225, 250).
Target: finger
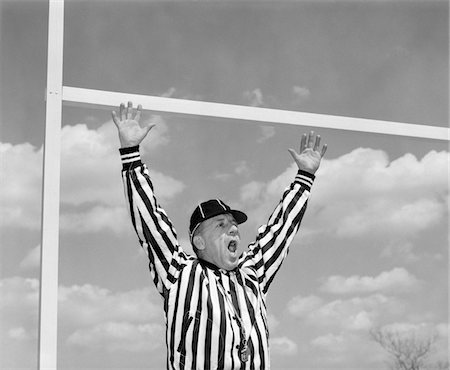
point(115, 118)
point(129, 110)
point(303, 143)
point(317, 143)
point(121, 111)
point(293, 153)
point(138, 113)
point(324, 149)
point(311, 139)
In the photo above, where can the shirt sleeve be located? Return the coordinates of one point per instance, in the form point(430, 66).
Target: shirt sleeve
point(154, 229)
point(271, 247)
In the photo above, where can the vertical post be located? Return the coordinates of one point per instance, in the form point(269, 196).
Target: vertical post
point(48, 298)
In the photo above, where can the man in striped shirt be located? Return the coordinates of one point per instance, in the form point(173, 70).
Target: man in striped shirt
point(214, 301)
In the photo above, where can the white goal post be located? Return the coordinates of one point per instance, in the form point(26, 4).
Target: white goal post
point(57, 94)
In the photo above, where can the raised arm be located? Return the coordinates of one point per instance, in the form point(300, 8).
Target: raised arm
point(155, 231)
point(267, 253)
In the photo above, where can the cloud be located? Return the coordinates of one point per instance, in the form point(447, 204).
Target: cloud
point(91, 189)
point(301, 94)
point(267, 132)
point(178, 93)
point(18, 333)
point(89, 316)
point(353, 314)
point(283, 346)
point(119, 336)
point(363, 194)
point(91, 158)
point(254, 97)
point(240, 168)
point(273, 322)
point(395, 280)
point(251, 191)
point(382, 199)
point(20, 187)
point(302, 306)
point(18, 322)
point(88, 305)
point(339, 350)
point(419, 332)
point(330, 341)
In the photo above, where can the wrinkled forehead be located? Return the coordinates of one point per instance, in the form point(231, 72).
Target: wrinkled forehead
point(223, 217)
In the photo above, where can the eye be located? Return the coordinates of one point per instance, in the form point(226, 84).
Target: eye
point(221, 224)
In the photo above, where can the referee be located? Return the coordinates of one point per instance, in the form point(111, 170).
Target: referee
point(214, 301)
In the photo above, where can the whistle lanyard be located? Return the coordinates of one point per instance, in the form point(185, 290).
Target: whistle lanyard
point(244, 352)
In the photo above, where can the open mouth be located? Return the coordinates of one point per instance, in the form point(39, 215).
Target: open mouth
point(232, 246)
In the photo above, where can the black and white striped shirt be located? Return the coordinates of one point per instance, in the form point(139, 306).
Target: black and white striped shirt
point(205, 306)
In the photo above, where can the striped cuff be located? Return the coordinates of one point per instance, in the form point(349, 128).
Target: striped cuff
point(130, 157)
point(305, 178)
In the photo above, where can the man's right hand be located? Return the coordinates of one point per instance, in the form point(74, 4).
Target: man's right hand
point(131, 133)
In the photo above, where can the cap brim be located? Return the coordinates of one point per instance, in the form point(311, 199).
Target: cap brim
point(239, 216)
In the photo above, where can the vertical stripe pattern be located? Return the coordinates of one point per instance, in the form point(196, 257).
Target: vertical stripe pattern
point(208, 309)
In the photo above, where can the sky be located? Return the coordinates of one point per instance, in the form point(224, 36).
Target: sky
point(372, 251)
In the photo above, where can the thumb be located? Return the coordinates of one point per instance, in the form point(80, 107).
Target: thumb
point(293, 153)
point(149, 127)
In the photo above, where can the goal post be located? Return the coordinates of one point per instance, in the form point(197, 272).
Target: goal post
point(57, 94)
point(89, 97)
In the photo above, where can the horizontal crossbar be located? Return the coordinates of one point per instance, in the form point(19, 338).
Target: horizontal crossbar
point(240, 112)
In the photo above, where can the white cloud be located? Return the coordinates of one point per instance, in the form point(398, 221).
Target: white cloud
point(169, 93)
point(254, 97)
point(301, 93)
point(88, 305)
point(363, 194)
point(338, 350)
point(260, 198)
point(20, 185)
point(88, 315)
point(119, 336)
point(240, 168)
point(330, 341)
point(419, 332)
point(251, 191)
point(267, 132)
point(90, 164)
point(353, 314)
point(273, 322)
point(18, 333)
point(303, 306)
point(283, 346)
point(178, 93)
point(95, 219)
point(398, 279)
point(32, 259)
point(17, 292)
point(91, 189)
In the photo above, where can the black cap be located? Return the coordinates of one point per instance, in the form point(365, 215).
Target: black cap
point(211, 208)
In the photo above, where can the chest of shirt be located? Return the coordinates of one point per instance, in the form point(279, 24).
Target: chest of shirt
point(231, 299)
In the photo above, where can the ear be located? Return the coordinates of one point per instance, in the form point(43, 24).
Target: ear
point(199, 242)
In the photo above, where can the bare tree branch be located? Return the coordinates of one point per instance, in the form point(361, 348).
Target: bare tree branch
point(408, 350)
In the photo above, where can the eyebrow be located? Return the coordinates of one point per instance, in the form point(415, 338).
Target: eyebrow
point(225, 217)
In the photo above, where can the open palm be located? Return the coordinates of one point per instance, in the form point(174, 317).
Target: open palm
point(131, 133)
point(310, 155)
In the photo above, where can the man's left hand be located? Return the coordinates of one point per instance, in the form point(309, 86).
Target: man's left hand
point(310, 155)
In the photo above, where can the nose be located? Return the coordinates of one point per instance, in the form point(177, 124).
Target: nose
point(233, 230)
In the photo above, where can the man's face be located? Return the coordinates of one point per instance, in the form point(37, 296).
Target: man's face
point(221, 241)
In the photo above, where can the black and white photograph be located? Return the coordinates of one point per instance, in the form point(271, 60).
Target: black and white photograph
point(224, 184)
